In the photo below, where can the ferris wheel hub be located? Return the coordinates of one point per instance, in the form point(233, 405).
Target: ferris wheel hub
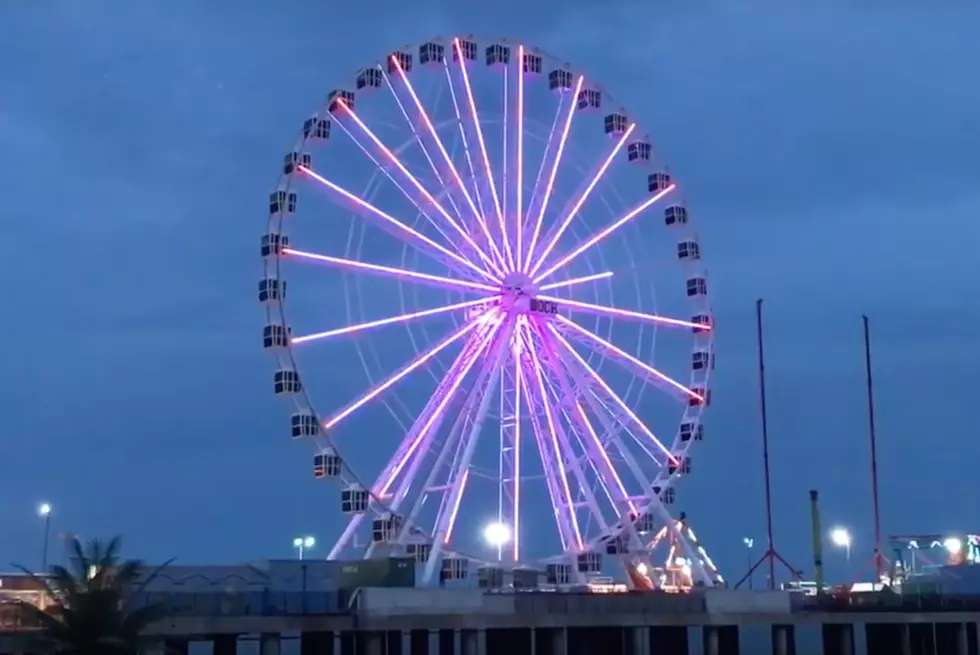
point(517, 291)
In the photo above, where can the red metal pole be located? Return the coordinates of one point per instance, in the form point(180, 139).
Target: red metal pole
point(765, 442)
point(879, 557)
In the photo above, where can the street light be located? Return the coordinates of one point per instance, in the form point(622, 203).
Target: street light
point(44, 511)
point(841, 538)
point(496, 534)
point(749, 542)
point(302, 544)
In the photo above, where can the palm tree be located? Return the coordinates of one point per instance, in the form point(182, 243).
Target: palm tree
point(88, 609)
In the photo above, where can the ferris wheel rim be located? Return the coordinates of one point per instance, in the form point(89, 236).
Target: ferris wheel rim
point(278, 307)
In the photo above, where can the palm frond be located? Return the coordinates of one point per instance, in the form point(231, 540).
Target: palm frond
point(90, 614)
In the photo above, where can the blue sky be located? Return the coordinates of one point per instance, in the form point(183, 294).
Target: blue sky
point(829, 153)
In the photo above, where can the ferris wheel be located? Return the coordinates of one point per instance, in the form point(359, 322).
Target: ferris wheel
point(497, 333)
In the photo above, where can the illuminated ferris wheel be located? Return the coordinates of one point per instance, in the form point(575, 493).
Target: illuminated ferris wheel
point(482, 238)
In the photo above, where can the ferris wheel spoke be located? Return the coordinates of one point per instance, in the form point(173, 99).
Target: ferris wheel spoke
point(605, 232)
point(402, 274)
point(385, 170)
point(399, 228)
point(453, 172)
point(648, 371)
point(574, 281)
point(627, 415)
point(519, 160)
point(552, 174)
point(469, 160)
point(614, 312)
point(485, 159)
point(388, 473)
point(548, 441)
point(415, 133)
point(446, 520)
point(419, 361)
point(435, 204)
point(568, 214)
point(392, 320)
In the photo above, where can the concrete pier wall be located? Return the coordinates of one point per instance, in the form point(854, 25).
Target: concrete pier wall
point(469, 622)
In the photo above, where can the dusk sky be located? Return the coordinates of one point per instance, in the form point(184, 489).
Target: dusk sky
point(829, 152)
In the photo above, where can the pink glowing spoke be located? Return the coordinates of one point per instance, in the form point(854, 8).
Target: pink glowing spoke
point(613, 395)
point(602, 234)
point(418, 137)
point(553, 431)
point(623, 313)
point(573, 212)
point(518, 218)
point(607, 461)
point(445, 156)
point(444, 402)
point(517, 450)
point(483, 149)
point(469, 350)
point(455, 510)
point(403, 318)
point(550, 186)
point(365, 205)
point(469, 157)
point(394, 379)
point(576, 280)
point(418, 185)
point(630, 358)
point(400, 273)
point(391, 178)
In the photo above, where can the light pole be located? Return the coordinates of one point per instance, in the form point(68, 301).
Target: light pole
point(302, 544)
point(44, 511)
point(749, 542)
point(841, 538)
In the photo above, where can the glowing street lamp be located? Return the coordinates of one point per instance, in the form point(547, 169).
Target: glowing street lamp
point(496, 535)
point(841, 538)
point(302, 544)
point(44, 511)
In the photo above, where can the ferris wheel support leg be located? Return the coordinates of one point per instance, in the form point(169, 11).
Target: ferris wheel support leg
point(406, 443)
point(564, 517)
point(597, 455)
point(653, 500)
point(451, 439)
point(494, 364)
point(564, 448)
point(451, 442)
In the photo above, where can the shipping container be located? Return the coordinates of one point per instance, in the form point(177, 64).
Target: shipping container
point(387, 572)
